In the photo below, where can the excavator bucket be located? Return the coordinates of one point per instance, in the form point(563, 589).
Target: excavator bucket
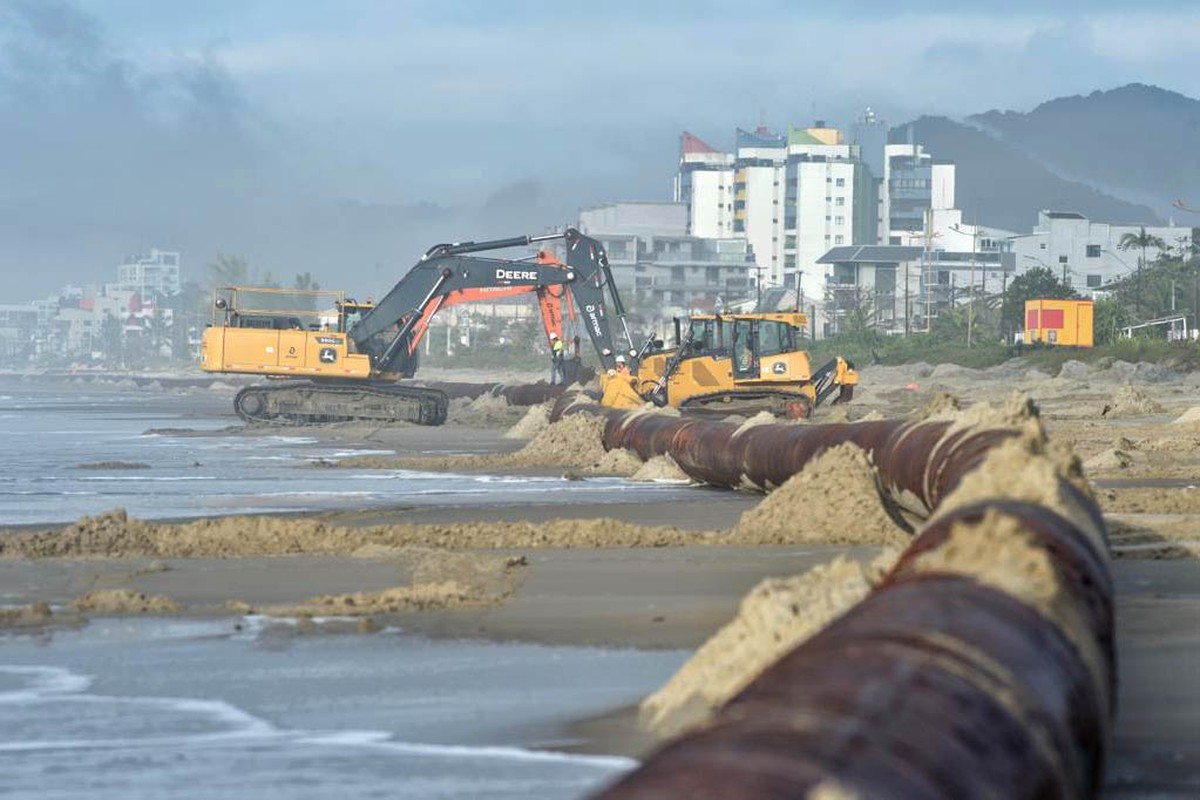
point(619, 393)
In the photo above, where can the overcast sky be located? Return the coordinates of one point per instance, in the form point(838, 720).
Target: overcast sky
point(345, 137)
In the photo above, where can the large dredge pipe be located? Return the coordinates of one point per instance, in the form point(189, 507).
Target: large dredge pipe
point(982, 666)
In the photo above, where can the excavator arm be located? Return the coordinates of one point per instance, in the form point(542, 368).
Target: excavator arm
point(390, 332)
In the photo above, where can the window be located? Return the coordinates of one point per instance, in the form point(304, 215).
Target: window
point(1042, 246)
point(774, 338)
point(839, 220)
point(841, 201)
point(839, 239)
point(1093, 251)
point(1062, 259)
point(1094, 281)
point(840, 182)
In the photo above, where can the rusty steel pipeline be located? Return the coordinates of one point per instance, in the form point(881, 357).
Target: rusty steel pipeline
point(943, 682)
point(916, 460)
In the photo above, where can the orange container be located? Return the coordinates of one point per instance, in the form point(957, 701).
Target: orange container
point(1067, 323)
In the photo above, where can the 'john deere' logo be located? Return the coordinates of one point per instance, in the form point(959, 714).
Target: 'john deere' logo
point(328, 355)
point(780, 368)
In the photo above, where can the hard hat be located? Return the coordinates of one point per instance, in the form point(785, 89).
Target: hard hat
point(620, 359)
point(553, 335)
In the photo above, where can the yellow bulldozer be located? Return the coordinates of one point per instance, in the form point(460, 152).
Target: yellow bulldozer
point(732, 362)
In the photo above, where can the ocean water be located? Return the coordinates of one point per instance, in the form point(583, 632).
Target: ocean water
point(47, 431)
point(150, 708)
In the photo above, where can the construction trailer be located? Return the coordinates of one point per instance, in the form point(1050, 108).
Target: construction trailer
point(1065, 323)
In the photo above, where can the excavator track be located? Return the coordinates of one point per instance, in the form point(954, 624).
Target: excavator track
point(794, 405)
point(306, 403)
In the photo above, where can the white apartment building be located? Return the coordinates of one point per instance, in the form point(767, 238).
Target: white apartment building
point(153, 274)
point(704, 184)
point(1087, 254)
point(791, 196)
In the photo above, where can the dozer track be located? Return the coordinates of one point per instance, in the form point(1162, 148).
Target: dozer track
point(305, 403)
point(778, 402)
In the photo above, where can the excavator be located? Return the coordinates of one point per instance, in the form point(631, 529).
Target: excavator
point(352, 355)
point(728, 362)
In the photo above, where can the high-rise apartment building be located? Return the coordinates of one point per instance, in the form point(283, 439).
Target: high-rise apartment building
point(792, 196)
point(153, 274)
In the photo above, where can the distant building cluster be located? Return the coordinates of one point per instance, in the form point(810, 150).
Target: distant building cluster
point(101, 322)
point(836, 223)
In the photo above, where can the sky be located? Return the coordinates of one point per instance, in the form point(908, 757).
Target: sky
point(344, 138)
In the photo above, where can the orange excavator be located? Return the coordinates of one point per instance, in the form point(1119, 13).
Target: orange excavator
point(352, 355)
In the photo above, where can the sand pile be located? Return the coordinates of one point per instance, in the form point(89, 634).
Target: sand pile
point(30, 616)
point(484, 411)
point(574, 443)
point(772, 619)
point(124, 601)
point(114, 535)
point(660, 468)
point(439, 579)
point(1151, 501)
point(942, 404)
point(1129, 401)
point(835, 499)
point(1107, 460)
point(536, 420)
point(1191, 417)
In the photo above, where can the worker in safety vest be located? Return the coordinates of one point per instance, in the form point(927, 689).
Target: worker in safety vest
point(557, 356)
point(622, 369)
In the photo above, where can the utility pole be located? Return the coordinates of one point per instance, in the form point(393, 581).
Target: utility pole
point(907, 301)
point(971, 288)
point(928, 271)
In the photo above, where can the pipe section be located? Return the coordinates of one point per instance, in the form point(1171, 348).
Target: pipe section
point(982, 666)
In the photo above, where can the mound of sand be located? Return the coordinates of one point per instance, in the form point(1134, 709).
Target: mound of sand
point(483, 411)
point(1111, 459)
point(1075, 370)
point(536, 419)
point(34, 615)
point(573, 443)
point(115, 535)
point(1190, 417)
point(835, 499)
point(942, 404)
point(124, 601)
point(772, 619)
point(1143, 500)
point(660, 468)
point(1129, 401)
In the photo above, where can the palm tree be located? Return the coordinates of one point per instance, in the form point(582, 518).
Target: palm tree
point(1143, 241)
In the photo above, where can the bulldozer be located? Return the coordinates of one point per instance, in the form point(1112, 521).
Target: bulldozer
point(727, 362)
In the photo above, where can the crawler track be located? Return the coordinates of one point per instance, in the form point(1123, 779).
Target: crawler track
point(304, 403)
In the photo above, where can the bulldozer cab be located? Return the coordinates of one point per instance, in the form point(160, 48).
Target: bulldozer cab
point(766, 347)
